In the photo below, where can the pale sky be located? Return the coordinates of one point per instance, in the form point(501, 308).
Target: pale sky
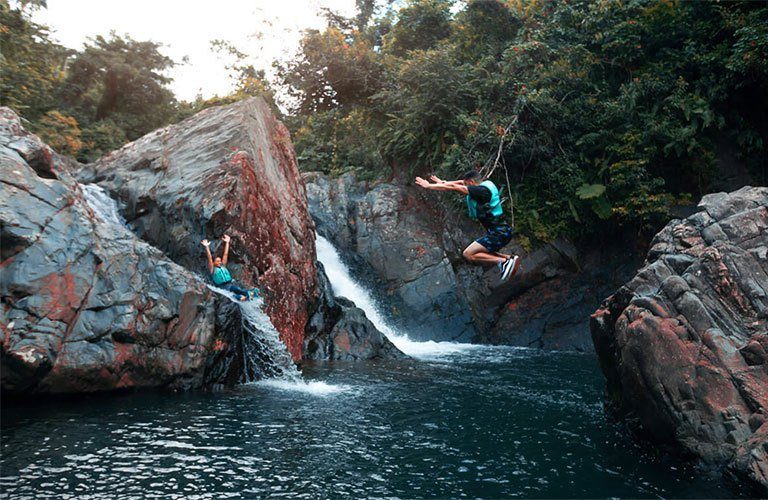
point(264, 29)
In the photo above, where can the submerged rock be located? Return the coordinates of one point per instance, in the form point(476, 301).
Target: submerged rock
point(684, 344)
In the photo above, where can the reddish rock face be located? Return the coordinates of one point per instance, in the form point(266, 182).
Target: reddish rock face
point(684, 344)
point(232, 170)
point(86, 306)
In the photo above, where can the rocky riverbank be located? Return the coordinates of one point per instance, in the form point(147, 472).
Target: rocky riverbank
point(93, 303)
point(684, 344)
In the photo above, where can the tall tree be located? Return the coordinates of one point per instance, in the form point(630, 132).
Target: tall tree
point(122, 80)
point(32, 65)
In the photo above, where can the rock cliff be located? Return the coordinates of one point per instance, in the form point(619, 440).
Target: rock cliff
point(684, 344)
point(407, 243)
point(92, 302)
point(86, 305)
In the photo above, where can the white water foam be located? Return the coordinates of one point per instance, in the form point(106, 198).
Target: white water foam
point(344, 285)
point(315, 388)
point(263, 333)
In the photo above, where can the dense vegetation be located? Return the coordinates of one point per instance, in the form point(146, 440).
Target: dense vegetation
point(599, 114)
point(595, 115)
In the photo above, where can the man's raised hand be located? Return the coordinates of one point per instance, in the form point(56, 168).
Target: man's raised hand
point(436, 179)
point(225, 238)
point(422, 182)
point(206, 243)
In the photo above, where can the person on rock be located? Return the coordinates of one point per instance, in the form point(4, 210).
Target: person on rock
point(220, 274)
point(483, 205)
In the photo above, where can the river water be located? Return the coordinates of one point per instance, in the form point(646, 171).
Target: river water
point(487, 422)
point(456, 420)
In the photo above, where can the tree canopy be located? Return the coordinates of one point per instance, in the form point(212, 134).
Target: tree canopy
point(88, 102)
point(593, 115)
point(598, 114)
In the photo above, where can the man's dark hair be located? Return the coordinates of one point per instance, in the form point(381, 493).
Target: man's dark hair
point(470, 175)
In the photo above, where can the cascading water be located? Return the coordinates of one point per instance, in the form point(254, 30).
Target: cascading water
point(263, 351)
point(104, 207)
point(345, 285)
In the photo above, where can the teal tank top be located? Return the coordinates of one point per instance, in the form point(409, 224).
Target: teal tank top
point(494, 205)
point(220, 275)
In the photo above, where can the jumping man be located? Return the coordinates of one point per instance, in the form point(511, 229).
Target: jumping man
point(220, 274)
point(483, 205)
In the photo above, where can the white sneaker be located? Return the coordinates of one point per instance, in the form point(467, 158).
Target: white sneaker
point(510, 268)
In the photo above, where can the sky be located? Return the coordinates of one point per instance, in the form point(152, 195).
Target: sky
point(264, 29)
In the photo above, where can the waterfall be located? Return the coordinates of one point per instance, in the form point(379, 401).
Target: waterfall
point(345, 285)
point(263, 351)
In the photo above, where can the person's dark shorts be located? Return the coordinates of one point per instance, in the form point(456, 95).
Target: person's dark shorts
point(497, 237)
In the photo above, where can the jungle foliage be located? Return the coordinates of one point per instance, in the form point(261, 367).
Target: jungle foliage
point(603, 114)
point(593, 115)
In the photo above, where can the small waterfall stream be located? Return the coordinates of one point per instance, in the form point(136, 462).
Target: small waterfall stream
point(263, 351)
point(345, 285)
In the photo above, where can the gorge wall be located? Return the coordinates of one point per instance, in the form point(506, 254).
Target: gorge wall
point(684, 344)
point(87, 305)
point(91, 303)
point(406, 243)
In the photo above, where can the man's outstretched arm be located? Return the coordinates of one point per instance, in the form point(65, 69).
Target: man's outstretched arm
point(457, 186)
point(207, 245)
point(225, 239)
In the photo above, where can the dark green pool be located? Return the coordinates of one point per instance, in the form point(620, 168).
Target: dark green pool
point(481, 422)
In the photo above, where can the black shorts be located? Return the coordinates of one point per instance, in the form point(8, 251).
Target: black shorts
point(497, 237)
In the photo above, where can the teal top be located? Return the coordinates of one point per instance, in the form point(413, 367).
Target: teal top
point(494, 206)
point(220, 275)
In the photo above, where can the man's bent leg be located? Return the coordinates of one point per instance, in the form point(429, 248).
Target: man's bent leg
point(240, 293)
point(478, 254)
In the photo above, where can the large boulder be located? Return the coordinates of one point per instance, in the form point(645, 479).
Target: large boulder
point(87, 306)
point(339, 330)
point(684, 344)
point(226, 169)
point(406, 244)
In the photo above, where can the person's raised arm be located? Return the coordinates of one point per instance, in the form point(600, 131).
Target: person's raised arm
point(225, 239)
point(207, 245)
point(457, 186)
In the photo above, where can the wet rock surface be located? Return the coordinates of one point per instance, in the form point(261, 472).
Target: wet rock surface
point(406, 244)
point(229, 169)
point(338, 330)
point(395, 236)
point(684, 344)
point(87, 306)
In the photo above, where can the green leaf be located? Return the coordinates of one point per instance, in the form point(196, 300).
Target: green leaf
point(602, 208)
point(573, 212)
point(590, 191)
